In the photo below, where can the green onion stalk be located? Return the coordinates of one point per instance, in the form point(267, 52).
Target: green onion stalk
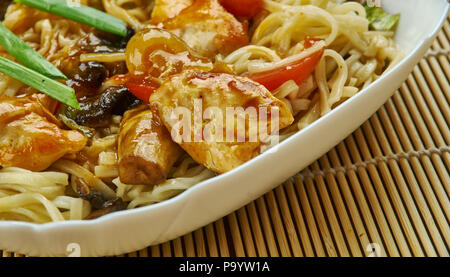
point(52, 88)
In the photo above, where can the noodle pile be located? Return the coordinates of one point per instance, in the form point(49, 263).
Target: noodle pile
point(354, 57)
point(50, 35)
point(133, 12)
point(38, 197)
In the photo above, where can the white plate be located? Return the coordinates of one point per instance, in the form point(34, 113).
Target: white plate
point(135, 229)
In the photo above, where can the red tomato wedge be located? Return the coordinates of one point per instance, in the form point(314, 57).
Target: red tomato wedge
point(142, 87)
point(141, 91)
point(297, 71)
point(244, 8)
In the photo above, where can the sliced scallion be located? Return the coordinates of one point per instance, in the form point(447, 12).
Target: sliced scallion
point(80, 13)
point(379, 20)
point(52, 88)
point(26, 55)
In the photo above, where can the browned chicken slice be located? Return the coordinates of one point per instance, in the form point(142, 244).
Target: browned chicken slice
point(157, 53)
point(166, 9)
point(186, 97)
point(208, 28)
point(31, 137)
point(146, 150)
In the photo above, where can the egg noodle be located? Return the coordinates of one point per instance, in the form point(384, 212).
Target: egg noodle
point(353, 58)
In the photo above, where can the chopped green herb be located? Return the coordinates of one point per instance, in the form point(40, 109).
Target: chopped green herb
point(52, 88)
point(379, 20)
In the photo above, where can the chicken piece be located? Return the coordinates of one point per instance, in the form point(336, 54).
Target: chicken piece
point(31, 137)
point(146, 151)
point(208, 28)
point(166, 9)
point(157, 53)
point(207, 103)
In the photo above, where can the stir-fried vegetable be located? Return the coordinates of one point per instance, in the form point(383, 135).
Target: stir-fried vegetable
point(245, 8)
point(80, 13)
point(142, 91)
point(141, 86)
point(40, 82)
point(26, 55)
point(96, 111)
point(297, 71)
point(379, 20)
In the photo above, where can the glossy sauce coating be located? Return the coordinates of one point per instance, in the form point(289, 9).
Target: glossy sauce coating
point(31, 137)
point(219, 91)
point(208, 28)
point(166, 9)
point(159, 53)
point(146, 150)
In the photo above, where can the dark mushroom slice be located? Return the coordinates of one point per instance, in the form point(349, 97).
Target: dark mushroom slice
point(99, 203)
point(114, 41)
point(83, 190)
point(96, 111)
point(86, 76)
point(145, 148)
point(109, 206)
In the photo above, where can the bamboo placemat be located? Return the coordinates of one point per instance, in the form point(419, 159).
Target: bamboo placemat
point(383, 190)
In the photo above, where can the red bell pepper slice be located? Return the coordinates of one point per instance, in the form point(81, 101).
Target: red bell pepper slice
point(243, 8)
point(297, 71)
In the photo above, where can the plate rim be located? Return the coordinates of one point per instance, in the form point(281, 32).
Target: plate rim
point(39, 229)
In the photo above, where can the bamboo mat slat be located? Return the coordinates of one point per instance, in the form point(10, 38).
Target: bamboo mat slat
point(387, 185)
